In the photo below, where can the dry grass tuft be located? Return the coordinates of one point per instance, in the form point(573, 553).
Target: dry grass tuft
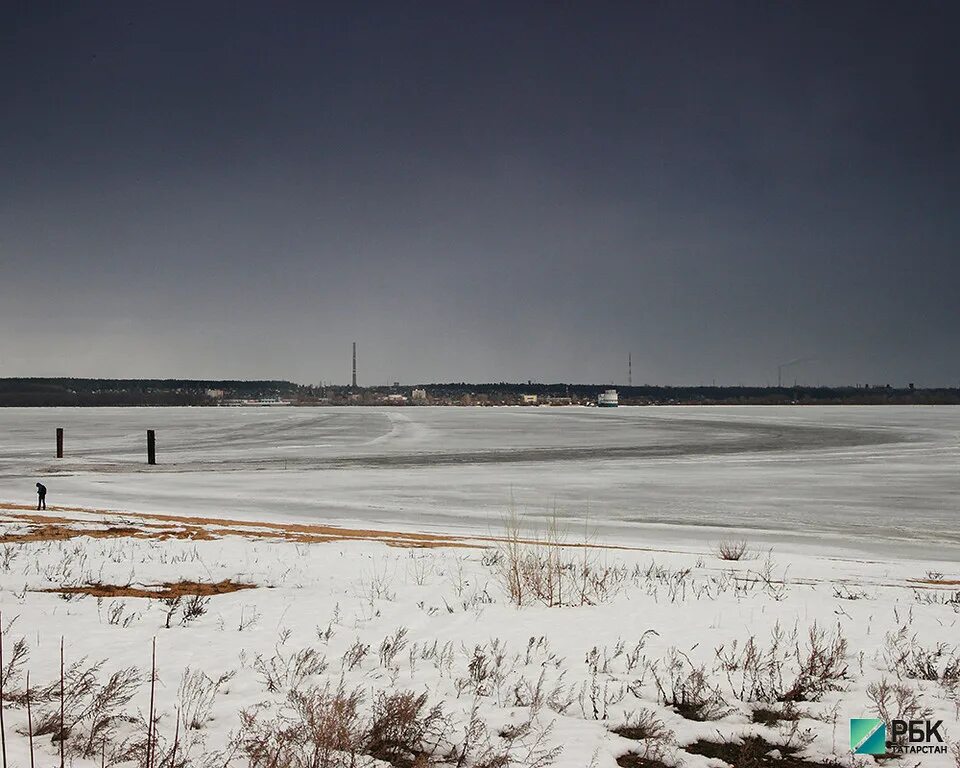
point(729, 549)
point(545, 569)
point(325, 728)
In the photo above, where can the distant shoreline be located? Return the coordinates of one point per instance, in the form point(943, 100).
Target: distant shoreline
point(77, 392)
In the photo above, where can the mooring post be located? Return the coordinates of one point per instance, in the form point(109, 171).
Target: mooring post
point(151, 447)
point(59, 442)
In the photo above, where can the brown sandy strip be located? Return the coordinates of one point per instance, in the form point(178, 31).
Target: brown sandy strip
point(191, 527)
point(165, 591)
point(144, 525)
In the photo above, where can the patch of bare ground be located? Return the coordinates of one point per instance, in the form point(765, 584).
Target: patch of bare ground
point(772, 717)
point(754, 752)
point(164, 591)
point(633, 760)
point(71, 529)
point(192, 527)
point(59, 527)
point(937, 582)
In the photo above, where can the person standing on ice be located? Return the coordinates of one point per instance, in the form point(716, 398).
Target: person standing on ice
point(41, 496)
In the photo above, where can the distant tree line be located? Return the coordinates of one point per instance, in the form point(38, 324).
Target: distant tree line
point(705, 395)
point(35, 392)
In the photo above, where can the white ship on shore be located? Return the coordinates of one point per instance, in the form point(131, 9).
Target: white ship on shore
point(608, 399)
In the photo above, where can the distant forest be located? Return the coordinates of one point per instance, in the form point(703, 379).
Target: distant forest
point(40, 392)
point(33, 392)
point(707, 395)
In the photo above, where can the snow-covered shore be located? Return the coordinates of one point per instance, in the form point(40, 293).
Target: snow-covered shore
point(639, 636)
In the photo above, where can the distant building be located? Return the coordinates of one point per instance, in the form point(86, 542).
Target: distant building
point(396, 398)
point(608, 399)
point(254, 402)
point(215, 394)
point(419, 395)
point(528, 399)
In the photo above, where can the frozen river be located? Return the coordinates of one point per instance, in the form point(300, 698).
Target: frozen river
point(877, 479)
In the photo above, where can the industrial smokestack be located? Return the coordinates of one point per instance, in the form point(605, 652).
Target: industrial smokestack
point(354, 365)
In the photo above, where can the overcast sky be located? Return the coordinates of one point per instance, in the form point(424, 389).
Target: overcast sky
point(480, 191)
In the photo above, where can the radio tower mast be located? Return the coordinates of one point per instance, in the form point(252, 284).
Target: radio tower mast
point(354, 365)
point(629, 369)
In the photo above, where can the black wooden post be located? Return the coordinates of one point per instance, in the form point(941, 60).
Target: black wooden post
point(59, 442)
point(151, 447)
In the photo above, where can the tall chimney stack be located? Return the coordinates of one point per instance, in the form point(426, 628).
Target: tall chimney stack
point(354, 365)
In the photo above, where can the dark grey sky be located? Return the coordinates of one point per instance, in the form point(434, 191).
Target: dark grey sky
point(478, 191)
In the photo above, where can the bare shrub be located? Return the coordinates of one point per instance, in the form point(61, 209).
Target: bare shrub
point(401, 725)
point(774, 586)
point(475, 747)
point(527, 744)
point(117, 614)
point(822, 666)
point(936, 597)
point(12, 670)
point(92, 710)
point(905, 657)
point(193, 609)
point(790, 736)
point(599, 691)
point(324, 728)
point(686, 687)
point(9, 553)
point(644, 726)
point(354, 655)
point(288, 673)
point(318, 728)
point(478, 673)
point(376, 586)
point(542, 570)
point(754, 673)
point(491, 557)
point(248, 619)
point(197, 693)
point(556, 696)
point(895, 701)
point(392, 646)
point(634, 660)
point(785, 670)
point(845, 592)
point(171, 605)
point(420, 566)
point(732, 549)
point(524, 745)
point(163, 751)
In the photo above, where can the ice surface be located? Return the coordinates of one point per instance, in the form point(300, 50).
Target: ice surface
point(880, 479)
